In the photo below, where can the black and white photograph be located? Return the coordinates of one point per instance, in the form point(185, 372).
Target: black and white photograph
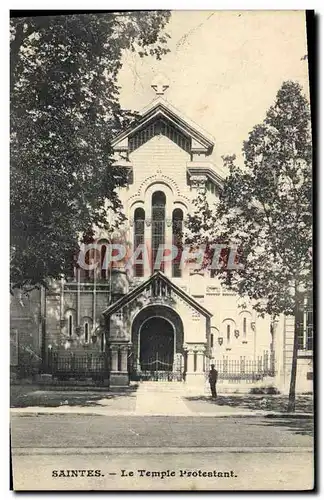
point(161, 250)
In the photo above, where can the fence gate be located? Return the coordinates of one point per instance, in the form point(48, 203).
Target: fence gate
point(159, 369)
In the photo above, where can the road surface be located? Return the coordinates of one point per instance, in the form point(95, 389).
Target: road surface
point(156, 453)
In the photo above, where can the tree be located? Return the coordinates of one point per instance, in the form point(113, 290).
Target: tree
point(265, 210)
point(65, 112)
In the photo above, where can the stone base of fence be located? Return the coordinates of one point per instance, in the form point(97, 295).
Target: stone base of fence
point(119, 379)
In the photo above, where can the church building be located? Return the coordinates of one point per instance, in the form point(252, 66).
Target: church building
point(170, 321)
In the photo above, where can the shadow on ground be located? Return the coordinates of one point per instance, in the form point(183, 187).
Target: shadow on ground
point(304, 404)
point(24, 396)
point(302, 426)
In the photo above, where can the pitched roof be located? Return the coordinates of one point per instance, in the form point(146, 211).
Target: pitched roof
point(162, 108)
point(140, 288)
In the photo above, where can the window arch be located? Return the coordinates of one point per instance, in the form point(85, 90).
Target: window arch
point(177, 229)
point(158, 226)
point(139, 224)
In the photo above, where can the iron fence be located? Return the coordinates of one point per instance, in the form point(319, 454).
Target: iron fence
point(159, 375)
point(75, 365)
point(248, 370)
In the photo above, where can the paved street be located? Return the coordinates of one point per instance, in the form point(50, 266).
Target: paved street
point(158, 429)
point(117, 431)
point(262, 453)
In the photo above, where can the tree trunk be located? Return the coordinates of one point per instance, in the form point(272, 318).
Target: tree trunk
point(292, 388)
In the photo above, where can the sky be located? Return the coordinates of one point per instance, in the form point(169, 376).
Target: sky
point(224, 70)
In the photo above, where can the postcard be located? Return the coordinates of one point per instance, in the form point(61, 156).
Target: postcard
point(161, 296)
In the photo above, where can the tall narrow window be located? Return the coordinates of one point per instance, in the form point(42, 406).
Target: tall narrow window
point(309, 322)
point(103, 249)
point(70, 325)
point(211, 340)
point(304, 319)
point(158, 227)
point(86, 333)
point(139, 219)
point(244, 328)
point(177, 222)
point(228, 333)
point(299, 318)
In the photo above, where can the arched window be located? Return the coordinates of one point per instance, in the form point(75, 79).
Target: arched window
point(70, 325)
point(177, 227)
point(86, 333)
point(158, 227)
point(139, 221)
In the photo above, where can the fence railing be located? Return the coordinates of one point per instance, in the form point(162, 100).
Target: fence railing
point(158, 375)
point(248, 370)
point(94, 365)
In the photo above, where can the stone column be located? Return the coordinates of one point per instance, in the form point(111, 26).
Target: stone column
point(148, 243)
point(196, 377)
point(190, 361)
point(124, 356)
point(168, 243)
point(200, 361)
point(119, 374)
point(114, 358)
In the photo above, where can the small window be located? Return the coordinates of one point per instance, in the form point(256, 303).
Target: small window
point(228, 333)
point(211, 340)
point(70, 325)
point(86, 333)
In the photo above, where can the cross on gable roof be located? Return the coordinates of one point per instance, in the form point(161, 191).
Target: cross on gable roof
point(158, 275)
point(200, 140)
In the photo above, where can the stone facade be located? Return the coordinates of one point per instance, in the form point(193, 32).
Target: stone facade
point(105, 312)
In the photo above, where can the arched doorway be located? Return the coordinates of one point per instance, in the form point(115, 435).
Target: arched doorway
point(157, 344)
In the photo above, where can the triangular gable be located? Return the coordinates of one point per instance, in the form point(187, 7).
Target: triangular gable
point(132, 295)
point(160, 109)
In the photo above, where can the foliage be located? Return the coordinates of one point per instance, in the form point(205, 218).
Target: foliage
point(65, 111)
point(265, 208)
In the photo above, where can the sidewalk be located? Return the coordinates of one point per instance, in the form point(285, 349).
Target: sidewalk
point(150, 399)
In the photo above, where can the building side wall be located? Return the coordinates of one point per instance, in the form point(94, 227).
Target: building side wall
point(25, 330)
point(304, 377)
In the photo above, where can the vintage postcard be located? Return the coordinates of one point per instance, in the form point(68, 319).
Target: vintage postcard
point(161, 333)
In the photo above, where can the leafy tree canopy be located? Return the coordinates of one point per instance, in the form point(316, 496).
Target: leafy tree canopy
point(65, 112)
point(265, 208)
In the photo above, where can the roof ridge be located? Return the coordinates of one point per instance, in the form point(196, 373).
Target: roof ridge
point(136, 291)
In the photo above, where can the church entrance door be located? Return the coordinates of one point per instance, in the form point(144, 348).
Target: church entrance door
point(157, 345)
